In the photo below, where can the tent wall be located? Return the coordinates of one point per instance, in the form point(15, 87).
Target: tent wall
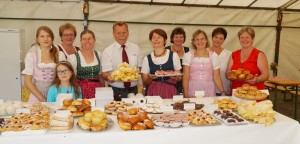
point(29, 15)
point(289, 51)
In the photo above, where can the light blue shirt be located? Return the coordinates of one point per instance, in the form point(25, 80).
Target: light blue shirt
point(53, 92)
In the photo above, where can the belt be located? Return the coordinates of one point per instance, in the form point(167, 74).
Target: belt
point(90, 80)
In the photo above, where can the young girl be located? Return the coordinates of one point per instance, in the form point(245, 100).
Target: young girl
point(64, 82)
point(40, 64)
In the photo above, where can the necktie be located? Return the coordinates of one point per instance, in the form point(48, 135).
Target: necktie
point(125, 59)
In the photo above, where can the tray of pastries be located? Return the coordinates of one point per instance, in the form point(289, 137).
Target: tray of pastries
point(125, 73)
point(26, 124)
point(226, 104)
point(167, 73)
point(202, 118)
point(250, 93)
point(134, 119)
point(77, 107)
point(173, 120)
point(240, 74)
point(95, 121)
point(229, 118)
point(114, 107)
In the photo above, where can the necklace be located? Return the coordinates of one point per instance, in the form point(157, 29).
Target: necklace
point(160, 54)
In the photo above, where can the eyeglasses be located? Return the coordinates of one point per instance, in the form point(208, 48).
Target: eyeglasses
point(60, 72)
point(68, 35)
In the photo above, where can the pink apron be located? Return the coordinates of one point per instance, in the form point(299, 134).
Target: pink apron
point(201, 77)
point(42, 78)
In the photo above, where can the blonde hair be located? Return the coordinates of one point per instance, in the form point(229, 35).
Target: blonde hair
point(248, 30)
point(67, 26)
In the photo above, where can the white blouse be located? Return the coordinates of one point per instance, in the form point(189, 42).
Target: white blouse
point(72, 59)
point(160, 60)
point(187, 59)
point(29, 60)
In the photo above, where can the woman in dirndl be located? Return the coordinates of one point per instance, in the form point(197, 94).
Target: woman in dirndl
point(201, 68)
point(160, 59)
point(86, 63)
point(40, 63)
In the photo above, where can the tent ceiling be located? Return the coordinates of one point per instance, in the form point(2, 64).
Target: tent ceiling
point(255, 4)
point(288, 5)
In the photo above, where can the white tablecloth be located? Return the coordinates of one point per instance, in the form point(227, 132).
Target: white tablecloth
point(283, 131)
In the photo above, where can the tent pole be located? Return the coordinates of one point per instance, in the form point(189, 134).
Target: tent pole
point(85, 10)
point(278, 32)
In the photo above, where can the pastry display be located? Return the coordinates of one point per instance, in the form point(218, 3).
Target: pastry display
point(134, 119)
point(125, 73)
point(25, 121)
point(77, 107)
point(229, 117)
point(226, 104)
point(171, 120)
point(240, 74)
point(9, 107)
point(249, 92)
point(200, 117)
point(114, 107)
point(259, 112)
point(61, 121)
point(167, 73)
point(94, 121)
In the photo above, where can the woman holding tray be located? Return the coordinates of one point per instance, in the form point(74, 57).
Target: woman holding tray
point(249, 58)
point(160, 59)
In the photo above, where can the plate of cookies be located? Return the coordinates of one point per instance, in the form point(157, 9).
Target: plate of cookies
point(202, 118)
point(249, 92)
point(226, 104)
point(114, 107)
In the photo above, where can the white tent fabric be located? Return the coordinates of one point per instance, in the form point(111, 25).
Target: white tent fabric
point(29, 15)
